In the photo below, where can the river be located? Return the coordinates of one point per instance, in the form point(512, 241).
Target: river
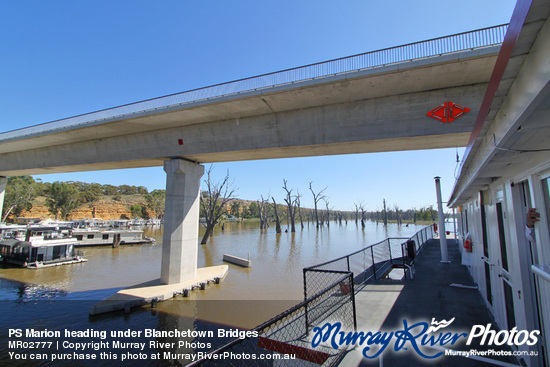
point(59, 298)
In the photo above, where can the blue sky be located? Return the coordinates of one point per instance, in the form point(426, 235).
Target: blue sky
point(65, 58)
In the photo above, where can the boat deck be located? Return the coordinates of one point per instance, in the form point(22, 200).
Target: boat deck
point(385, 304)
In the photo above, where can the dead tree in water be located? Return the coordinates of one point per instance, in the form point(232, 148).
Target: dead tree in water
point(213, 202)
point(262, 208)
point(290, 205)
point(397, 214)
point(363, 216)
point(277, 220)
point(385, 213)
point(327, 213)
point(297, 201)
point(361, 207)
point(316, 198)
point(356, 212)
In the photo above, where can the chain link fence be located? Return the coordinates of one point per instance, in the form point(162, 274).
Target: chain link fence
point(329, 296)
point(372, 262)
point(286, 339)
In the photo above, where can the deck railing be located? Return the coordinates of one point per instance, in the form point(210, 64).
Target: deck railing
point(329, 290)
point(368, 263)
point(460, 42)
point(287, 337)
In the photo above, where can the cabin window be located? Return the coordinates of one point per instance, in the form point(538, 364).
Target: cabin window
point(105, 236)
point(90, 237)
point(79, 237)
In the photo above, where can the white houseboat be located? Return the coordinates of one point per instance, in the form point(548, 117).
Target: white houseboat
point(504, 174)
point(114, 237)
point(39, 251)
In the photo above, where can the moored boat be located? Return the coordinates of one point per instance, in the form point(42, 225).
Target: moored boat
point(114, 237)
point(40, 251)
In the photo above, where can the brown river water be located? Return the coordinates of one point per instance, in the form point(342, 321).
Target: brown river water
point(60, 297)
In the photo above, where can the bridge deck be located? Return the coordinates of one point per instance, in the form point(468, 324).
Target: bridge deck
point(374, 102)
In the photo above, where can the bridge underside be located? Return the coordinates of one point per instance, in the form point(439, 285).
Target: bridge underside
point(381, 145)
point(375, 110)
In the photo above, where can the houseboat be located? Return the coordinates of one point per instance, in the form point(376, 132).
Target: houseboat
point(114, 237)
point(9, 230)
point(39, 250)
point(503, 191)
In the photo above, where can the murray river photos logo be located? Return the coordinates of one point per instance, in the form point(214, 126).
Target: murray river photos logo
point(418, 337)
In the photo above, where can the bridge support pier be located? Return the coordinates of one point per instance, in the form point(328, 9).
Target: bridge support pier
point(3, 182)
point(181, 221)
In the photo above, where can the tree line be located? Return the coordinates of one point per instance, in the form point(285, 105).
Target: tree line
point(217, 200)
point(62, 198)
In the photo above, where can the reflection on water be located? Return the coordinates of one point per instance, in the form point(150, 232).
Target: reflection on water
point(61, 296)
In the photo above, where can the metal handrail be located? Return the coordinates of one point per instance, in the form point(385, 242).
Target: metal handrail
point(302, 306)
point(486, 37)
point(355, 253)
point(419, 241)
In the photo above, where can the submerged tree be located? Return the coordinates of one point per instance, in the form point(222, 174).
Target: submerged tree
point(214, 202)
point(327, 212)
point(316, 198)
point(277, 220)
point(356, 212)
point(363, 216)
point(397, 214)
point(262, 210)
point(290, 202)
point(297, 200)
point(385, 213)
point(20, 191)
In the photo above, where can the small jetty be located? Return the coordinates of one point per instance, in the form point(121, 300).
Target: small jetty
point(153, 291)
point(246, 263)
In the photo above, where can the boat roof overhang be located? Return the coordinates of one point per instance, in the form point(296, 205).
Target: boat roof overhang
point(512, 130)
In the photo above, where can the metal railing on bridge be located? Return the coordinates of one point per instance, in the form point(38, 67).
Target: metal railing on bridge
point(460, 42)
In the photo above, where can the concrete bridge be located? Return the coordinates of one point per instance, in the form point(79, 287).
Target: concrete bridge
point(373, 102)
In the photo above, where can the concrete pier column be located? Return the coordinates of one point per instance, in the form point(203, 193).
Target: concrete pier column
point(3, 182)
point(181, 221)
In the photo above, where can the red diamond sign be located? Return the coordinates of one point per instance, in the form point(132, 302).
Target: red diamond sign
point(448, 112)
